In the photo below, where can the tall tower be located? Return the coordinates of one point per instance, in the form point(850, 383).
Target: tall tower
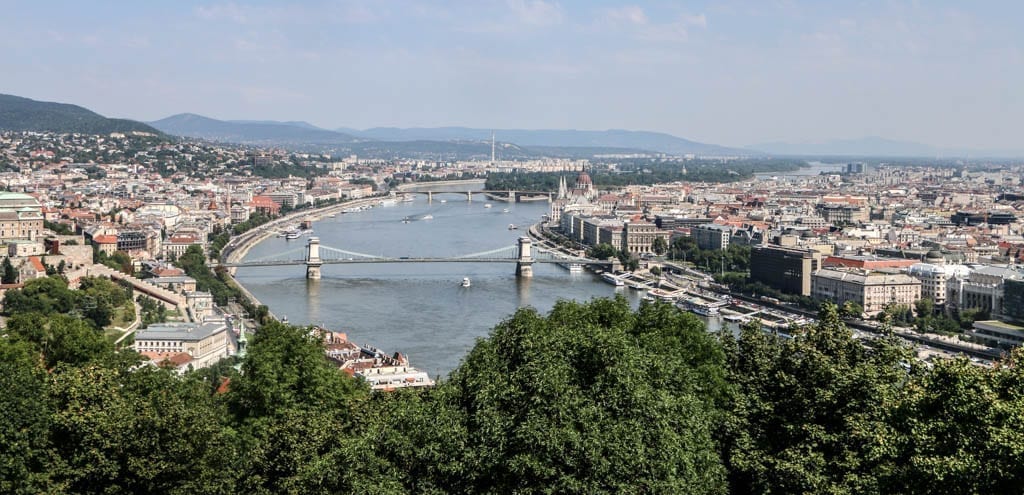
point(492, 148)
point(313, 260)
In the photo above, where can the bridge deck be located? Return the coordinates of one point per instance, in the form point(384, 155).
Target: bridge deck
point(409, 260)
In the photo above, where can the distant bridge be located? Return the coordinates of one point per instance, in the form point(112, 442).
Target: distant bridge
point(511, 196)
point(315, 255)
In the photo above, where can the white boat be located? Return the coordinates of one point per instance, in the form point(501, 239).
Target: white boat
point(612, 279)
point(487, 205)
point(512, 226)
point(504, 210)
point(407, 199)
point(466, 282)
point(332, 215)
point(293, 235)
point(572, 267)
point(428, 217)
point(444, 200)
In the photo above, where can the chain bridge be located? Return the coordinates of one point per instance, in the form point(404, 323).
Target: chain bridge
point(314, 255)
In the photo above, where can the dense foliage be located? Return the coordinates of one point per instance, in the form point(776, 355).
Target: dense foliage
point(735, 258)
point(96, 300)
point(23, 114)
point(590, 398)
point(219, 284)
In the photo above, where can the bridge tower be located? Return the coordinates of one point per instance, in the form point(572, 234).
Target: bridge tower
point(524, 267)
point(430, 196)
point(511, 196)
point(469, 196)
point(313, 260)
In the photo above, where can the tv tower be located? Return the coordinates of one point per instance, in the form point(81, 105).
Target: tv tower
point(492, 148)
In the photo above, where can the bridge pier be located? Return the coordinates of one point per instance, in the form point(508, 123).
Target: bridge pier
point(430, 197)
point(524, 267)
point(511, 196)
point(469, 196)
point(313, 261)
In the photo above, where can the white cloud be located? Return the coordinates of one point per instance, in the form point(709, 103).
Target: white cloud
point(699, 20)
point(627, 15)
point(537, 12)
point(224, 12)
point(674, 32)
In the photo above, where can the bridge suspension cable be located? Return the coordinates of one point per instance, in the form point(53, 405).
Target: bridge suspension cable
point(279, 256)
point(346, 253)
point(510, 250)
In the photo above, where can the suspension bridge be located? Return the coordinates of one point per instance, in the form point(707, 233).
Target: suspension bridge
point(314, 255)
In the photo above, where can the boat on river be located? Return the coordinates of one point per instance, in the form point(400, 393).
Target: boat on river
point(466, 282)
point(487, 205)
point(612, 279)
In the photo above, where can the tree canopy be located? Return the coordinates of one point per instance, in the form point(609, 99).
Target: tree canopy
point(591, 397)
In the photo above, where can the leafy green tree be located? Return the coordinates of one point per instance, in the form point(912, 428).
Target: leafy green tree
point(603, 251)
point(574, 402)
point(963, 427)
point(814, 413)
point(659, 246)
point(25, 411)
point(46, 295)
point(140, 431)
point(10, 274)
point(296, 411)
point(851, 309)
point(60, 338)
point(102, 299)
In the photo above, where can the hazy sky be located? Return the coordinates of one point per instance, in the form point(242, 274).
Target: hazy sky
point(946, 73)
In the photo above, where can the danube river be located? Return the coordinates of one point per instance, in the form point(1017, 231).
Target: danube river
point(418, 309)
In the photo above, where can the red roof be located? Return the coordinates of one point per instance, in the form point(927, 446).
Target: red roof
point(37, 264)
point(105, 239)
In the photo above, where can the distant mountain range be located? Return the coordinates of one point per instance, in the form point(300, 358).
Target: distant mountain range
point(250, 132)
point(23, 114)
point(876, 147)
point(612, 138)
point(297, 132)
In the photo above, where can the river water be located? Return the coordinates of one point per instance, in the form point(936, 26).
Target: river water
point(419, 309)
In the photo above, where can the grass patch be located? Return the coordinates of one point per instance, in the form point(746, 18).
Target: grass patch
point(124, 316)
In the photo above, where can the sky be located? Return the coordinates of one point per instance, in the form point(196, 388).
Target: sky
point(943, 73)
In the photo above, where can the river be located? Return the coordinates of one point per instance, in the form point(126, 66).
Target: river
point(418, 309)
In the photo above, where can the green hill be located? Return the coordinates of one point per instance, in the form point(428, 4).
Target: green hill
point(23, 114)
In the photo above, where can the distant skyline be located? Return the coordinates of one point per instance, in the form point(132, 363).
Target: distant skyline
point(942, 73)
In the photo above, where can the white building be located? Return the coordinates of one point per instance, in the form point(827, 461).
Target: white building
point(872, 290)
point(711, 236)
point(934, 279)
point(184, 344)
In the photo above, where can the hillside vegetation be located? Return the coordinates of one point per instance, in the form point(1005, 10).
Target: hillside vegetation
point(23, 114)
point(590, 398)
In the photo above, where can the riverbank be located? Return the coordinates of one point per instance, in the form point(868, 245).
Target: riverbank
point(236, 249)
